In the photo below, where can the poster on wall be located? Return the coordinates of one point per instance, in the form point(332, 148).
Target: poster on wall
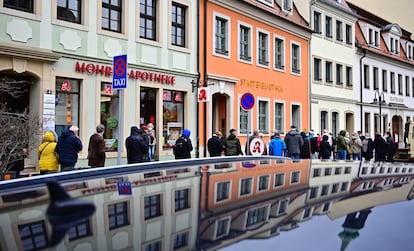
point(48, 112)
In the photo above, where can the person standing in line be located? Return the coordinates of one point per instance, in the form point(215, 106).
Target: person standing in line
point(305, 149)
point(341, 145)
point(144, 132)
point(277, 146)
point(232, 146)
point(406, 130)
point(325, 148)
point(215, 145)
point(48, 158)
point(135, 146)
point(183, 146)
point(251, 138)
point(152, 141)
point(314, 144)
point(96, 148)
point(380, 146)
point(68, 147)
point(390, 147)
point(367, 149)
point(294, 143)
point(356, 144)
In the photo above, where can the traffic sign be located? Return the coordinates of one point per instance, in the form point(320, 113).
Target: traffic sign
point(119, 78)
point(247, 101)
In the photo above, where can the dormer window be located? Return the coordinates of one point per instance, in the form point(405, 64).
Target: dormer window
point(287, 5)
point(410, 51)
point(373, 36)
point(394, 45)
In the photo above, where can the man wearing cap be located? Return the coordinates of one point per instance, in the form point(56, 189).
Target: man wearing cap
point(293, 142)
point(68, 147)
point(232, 146)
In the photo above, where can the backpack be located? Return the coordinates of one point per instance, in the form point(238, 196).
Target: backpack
point(364, 145)
point(179, 145)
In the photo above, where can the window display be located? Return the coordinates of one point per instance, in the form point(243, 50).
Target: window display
point(66, 103)
point(173, 116)
point(110, 115)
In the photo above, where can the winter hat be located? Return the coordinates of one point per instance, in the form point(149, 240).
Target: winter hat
point(186, 132)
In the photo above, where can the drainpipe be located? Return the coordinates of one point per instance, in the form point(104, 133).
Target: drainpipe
point(198, 80)
point(205, 75)
point(361, 88)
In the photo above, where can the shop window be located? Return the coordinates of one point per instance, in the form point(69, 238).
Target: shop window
point(26, 6)
point(110, 115)
point(173, 116)
point(148, 105)
point(67, 103)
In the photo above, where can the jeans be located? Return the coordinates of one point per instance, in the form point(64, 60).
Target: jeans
point(356, 156)
point(294, 155)
point(151, 151)
point(342, 154)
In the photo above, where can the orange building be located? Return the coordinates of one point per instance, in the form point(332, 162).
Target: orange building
point(259, 47)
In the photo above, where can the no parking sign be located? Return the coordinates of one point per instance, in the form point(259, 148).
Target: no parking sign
point(119, 80)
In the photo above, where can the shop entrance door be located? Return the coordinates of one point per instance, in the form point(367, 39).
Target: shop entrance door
point(219, 116)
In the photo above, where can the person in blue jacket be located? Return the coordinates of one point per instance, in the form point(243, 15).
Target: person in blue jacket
point(277, 147)
point(68, 147)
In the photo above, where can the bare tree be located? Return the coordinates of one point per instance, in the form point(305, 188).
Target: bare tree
point(19, 133)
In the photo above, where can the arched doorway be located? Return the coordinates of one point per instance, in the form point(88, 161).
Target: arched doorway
point(219, 115)
point(397, 131)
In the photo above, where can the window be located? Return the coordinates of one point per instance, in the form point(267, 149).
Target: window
point(245, 43)
point(178, 24)
point(279, 53)
point(349, 76)
point(335, 123)
point(262, 48)
point(338, 170)
point(400, 85)
point(182, 199)
point(328, 72)
point(295, 177)
point(287, 5)
point(256, 216)
point(282, 207)
point(243, 120)
point(81, 230)
point(392, 82)
point(69, 10)
point(325, 190)
point(324, 120)
point(316, 172)
point(67, 103)
point(339, 32)
point(23, 5)
point(112, 15)
point(154, 246)
point(295, 57)
point(375, 73)
point(370, 37)
point(33, 235)
point(335, 188)
point(327, 171)
point(263, 114)
point(317, 69)
point(348, 34)
point(279, 117)
point(246, 186)
point(317, 22)
point(328, 27)
point(344, 186)
point(118, 215)
point(263, 183)
point(152, 206)
point(180, 240)
point(109, 114)
point(279, 180)
point(173, 114)
point(313, 193)
point(221, 42)
point(222, 227)
point(339, 74)
point(407, 86)
point(148, 19)
point(366, 76)
point(384, 81)
point(412, 87)
point(223, 191)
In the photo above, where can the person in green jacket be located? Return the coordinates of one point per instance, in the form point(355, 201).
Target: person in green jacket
point(341, 145)
point(48, 158)
point(232, 145)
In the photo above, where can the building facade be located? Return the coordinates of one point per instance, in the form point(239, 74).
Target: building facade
point(61, 55)
point(257, 47)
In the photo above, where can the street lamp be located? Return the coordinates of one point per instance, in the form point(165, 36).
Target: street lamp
point(380, 100)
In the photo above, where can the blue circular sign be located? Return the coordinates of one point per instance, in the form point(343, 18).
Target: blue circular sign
point(247, 101)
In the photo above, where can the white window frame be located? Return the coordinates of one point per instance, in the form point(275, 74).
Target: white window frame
point(228, 36)
point(124, 23)
point(267, 2)
point(283, 115)
point(282, 67)
point(258, 183)
point(299, 59)
point(267, 52)
point(349, 41)
point(339, 80)
point(259, 100)
point(287, 6)
point(229, 191)
point(319, 22)
point(339, 37)
point(320, 79)
point(330, 28)
point(251, 186)
point(250, 43)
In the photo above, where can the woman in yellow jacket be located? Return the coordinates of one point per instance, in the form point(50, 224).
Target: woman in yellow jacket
point(48, 158)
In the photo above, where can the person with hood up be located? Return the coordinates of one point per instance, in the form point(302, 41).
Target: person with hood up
point(232, 146)
point(277, 146)
point(136, 147)
point(68, 147)
point(48, 158)
point(96, 148)
point(325, 148)
point(294, 143)
point(183, 146)
point(305, 150)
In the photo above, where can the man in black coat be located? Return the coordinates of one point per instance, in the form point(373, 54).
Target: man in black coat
point(68, 147)
point(215, 145)
point(135, 146)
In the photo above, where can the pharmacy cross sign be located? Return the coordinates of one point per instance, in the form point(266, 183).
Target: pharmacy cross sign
point(119, 79)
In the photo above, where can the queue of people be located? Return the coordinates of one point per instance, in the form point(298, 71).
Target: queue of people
point(61, 154)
